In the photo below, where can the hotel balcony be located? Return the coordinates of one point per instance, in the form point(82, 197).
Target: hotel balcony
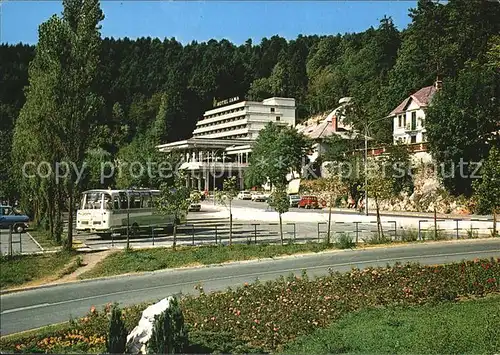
point(213, 166)
point(224, 134)
point(204, 129)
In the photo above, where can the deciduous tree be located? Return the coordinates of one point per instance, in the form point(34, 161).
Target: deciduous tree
point(226, 197)
point(487, 189)
point(462, 124)
point(280, 202)
point(174, 202)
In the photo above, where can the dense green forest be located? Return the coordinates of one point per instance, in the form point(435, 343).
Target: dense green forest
point(378, 68)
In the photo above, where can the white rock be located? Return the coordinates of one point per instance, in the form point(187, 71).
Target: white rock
point(138, 339)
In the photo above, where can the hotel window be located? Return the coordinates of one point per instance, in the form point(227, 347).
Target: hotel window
point(277, 118)
point(400, 121)
point(272, 109)
point(413, 139)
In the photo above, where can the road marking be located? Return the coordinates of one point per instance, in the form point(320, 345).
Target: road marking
point(35, 241)
point(245, 275)
point(26, 308)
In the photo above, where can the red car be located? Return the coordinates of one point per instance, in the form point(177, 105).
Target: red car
point(309, 202)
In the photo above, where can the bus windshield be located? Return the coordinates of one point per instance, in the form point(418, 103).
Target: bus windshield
point(92, 200)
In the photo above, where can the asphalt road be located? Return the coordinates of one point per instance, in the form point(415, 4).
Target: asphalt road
point(21, 243)
point(35, 308)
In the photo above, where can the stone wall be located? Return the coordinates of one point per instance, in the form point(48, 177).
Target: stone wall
point(428, 194)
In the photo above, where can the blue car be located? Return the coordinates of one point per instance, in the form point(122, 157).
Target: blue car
point(9, 217)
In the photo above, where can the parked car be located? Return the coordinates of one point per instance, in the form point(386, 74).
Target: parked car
point(309, 202)
point(9, 217)
point(244, 195)
point(194, 207)
point(260, 197)
point(294, 200)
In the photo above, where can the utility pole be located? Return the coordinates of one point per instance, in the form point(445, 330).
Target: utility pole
point(366, 170)
point(128, 221)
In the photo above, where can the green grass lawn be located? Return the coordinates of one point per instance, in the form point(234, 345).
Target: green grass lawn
point(471, 327)
point(21, 269)
point(163, 258)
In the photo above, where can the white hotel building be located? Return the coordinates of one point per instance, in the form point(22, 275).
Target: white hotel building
point(222, 140)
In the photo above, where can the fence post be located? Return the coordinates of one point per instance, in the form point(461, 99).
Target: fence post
point(318, 231)
point(20, 243)
point(435, 225)
point(395, 230)
point(494, 232)
point(215, 234)
point(294, 232)
point(419, 235)
point(192, 228)
point(357, 230)
point(255, 233)
point(10, 241)
point(112, 237)
point(457, 227)
point(153, 234)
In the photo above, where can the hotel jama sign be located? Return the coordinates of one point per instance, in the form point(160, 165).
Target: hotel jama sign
point(226, 101)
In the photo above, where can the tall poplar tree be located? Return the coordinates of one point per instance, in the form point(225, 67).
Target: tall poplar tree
point(61, 103)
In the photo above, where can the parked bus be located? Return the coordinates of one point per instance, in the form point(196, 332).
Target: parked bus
point(107, 211)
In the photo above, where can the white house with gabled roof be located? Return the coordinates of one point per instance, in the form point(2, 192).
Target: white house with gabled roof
point(409, 116)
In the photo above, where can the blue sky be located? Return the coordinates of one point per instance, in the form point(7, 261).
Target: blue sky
point(203, 20)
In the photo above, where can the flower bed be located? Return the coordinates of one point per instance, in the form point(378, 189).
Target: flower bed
point(267, 316)
point(263, 317)
point(84, 335)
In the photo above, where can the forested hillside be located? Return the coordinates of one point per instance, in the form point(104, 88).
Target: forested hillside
point(378, 68)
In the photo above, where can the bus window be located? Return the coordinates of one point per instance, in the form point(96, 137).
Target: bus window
point(123, 201)
point(155, 196)
point(135, 200)
point(116, 202)
point(146, 200)
point(108, 202)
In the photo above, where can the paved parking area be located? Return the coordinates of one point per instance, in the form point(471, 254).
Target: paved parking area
point(203, 229)
point(21, 243)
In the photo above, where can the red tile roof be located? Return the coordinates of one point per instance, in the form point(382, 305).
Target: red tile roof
point(422, 97)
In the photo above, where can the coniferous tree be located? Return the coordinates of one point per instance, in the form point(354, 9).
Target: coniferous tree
point(117, 336)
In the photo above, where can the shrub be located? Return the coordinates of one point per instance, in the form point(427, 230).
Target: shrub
point(117, 336)
point(471, 233)
point(345, 241)
point(409, 235)
point(433, 234)
point(378, 239)
point(169, 334)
